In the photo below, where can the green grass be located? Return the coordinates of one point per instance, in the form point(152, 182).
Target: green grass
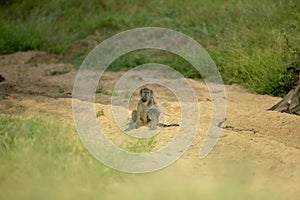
point(101, 90)
point(100, 113)
point(46, 160)
point(140, 145)
point(60, 71)
point(246, 39)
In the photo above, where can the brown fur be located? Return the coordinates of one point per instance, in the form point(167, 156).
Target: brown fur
point(147, 112)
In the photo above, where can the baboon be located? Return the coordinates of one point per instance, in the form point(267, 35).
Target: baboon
point(147, 112)
point(291, 102)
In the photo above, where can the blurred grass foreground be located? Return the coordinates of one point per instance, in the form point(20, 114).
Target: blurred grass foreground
point(45, 160)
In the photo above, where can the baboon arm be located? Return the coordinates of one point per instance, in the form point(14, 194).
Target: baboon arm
point(296, 109)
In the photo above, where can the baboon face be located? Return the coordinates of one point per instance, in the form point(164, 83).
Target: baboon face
point(146, 94)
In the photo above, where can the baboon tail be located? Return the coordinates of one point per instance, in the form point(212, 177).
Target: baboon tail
point(167, 125)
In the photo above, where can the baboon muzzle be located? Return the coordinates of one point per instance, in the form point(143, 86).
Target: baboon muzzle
point(144, 99)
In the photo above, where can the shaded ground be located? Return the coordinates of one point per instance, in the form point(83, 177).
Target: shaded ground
point(257, 146)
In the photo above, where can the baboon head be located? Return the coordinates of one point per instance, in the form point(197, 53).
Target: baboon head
point(146, 94)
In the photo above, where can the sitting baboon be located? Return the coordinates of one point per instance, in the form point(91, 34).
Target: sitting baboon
point(147, 112)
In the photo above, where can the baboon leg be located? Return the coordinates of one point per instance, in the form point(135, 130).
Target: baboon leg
point(153, 116)
point(134, 116)
point(136, 119)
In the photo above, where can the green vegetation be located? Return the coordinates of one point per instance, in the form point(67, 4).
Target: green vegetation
point(141, 145)
point(46, 160)
point(100, 113)
point(60, 71)
point(61, 90)
point(101, 90)
point(251, 42)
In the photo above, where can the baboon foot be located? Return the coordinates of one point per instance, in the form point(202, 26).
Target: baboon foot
point(152, 126)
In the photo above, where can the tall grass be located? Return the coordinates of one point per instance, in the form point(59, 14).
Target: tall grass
point(246, 39)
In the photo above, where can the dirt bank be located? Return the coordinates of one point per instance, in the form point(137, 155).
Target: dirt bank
point(266, 143)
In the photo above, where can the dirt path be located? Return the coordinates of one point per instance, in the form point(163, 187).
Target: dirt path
point(259, 146)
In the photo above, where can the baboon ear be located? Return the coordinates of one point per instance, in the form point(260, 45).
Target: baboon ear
point(141, 92)
point(151, 91)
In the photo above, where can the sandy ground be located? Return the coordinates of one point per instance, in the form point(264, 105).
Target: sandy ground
point(256, 146)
